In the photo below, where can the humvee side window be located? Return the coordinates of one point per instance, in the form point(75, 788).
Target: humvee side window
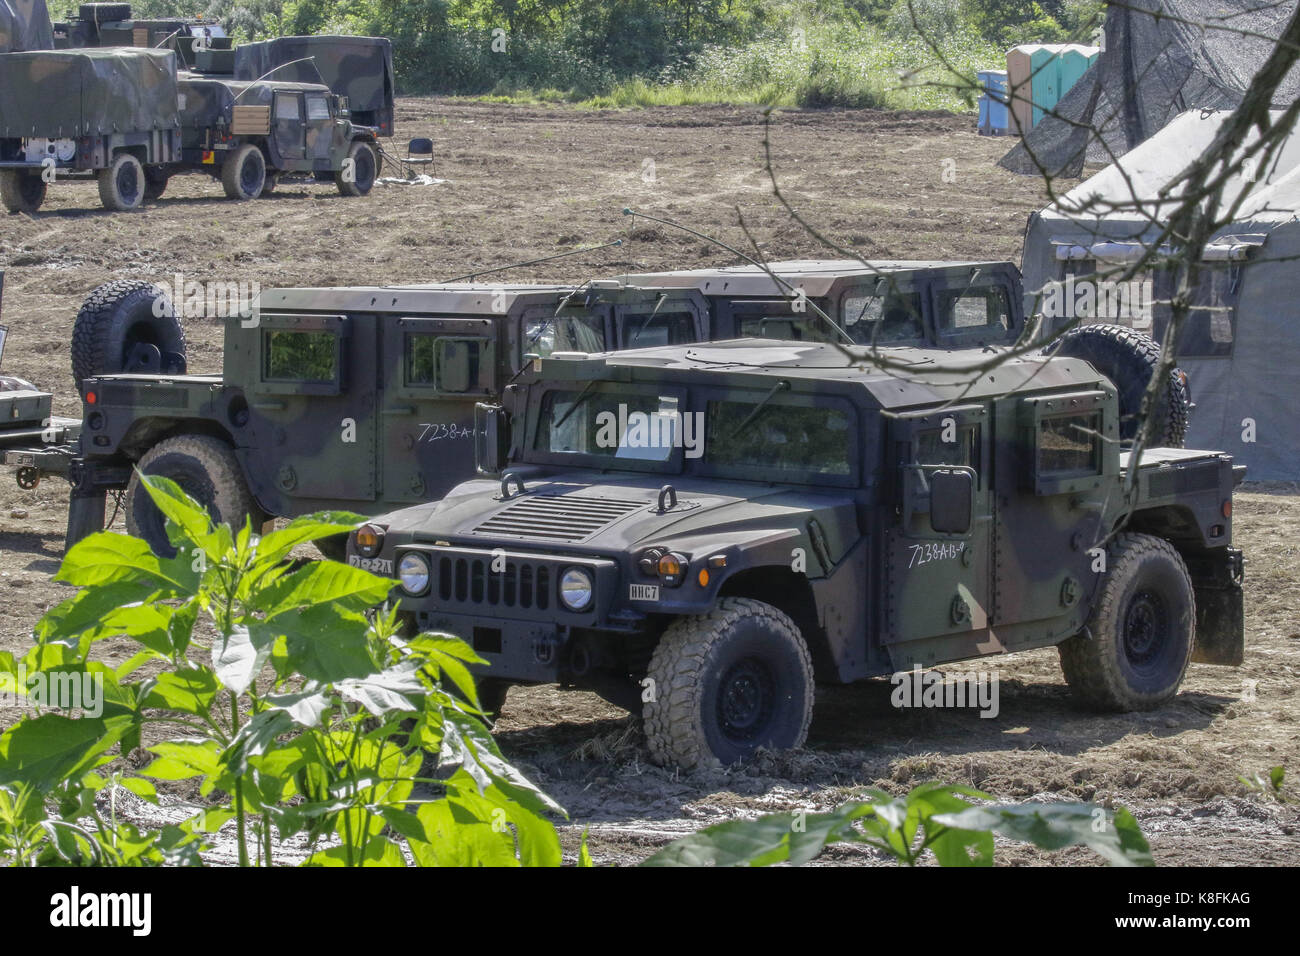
point(566, 333)
point(645, 331)
point(293, 356)
point(450, 364)
point(318, 108)
point(931, 449)
point(1069, 446)
point(973, 310)
point(890, 318)
point(286, 106)
point(630, 426)
point(788, 328)
point(789, 438)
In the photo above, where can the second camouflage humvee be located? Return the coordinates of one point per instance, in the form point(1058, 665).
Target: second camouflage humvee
point(699, 533)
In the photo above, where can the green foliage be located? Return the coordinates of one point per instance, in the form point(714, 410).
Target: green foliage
point(302, 713)
point(1269, 784)
point(933, 818)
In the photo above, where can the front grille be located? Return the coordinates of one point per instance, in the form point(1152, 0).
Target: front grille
point(523, 584)
point(557, 517)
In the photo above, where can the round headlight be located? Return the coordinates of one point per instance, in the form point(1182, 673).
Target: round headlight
point(413, 572)
point(369, 539)
point(576, 589)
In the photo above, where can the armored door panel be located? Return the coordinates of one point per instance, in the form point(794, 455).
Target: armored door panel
point(435, 371)
point(289, 128)
point(319, 126)
point(938, 552)
point(312, 407)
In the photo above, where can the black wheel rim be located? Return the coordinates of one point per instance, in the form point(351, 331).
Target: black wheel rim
point(746, 700)
point(128, 183)
point(1146, 629)
point(248, 177)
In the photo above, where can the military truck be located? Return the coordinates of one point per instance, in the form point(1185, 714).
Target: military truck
point(99, 25)
point(110, 115)
point(700, 533)
point(250, 135)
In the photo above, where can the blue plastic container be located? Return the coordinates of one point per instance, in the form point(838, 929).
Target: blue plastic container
point(994, 117)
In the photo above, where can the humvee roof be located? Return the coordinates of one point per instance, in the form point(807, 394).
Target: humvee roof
point(815, 276)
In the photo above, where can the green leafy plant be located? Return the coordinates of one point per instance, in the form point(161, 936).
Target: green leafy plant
point(1269, 784)
point(302, 713)
point(932, 819)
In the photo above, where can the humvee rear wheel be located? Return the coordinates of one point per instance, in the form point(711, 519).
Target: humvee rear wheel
point(122, 184)
point(21, 191)
point(727, 683)
point(127, 326)
point(206, 470)
point(1141, 630)
point(363, 166)
point(244, 174)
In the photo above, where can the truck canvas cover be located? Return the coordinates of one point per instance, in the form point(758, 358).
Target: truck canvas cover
point(67, 93)
point(360, 68)
point(25, 25)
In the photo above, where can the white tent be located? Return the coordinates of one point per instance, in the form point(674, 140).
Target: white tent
point(1241, 344)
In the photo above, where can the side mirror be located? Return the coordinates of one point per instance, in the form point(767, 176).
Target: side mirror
point(952, 493)
point(491, 438)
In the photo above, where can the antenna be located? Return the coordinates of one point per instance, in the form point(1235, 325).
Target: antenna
point(530, 262)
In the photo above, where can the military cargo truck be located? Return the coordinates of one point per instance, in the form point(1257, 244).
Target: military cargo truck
point(110, 115)
point(113, 25)
point(700, 533)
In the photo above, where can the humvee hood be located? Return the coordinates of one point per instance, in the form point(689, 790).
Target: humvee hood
point(612, 513)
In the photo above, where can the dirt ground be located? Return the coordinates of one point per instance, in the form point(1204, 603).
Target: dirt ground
point(524, 183)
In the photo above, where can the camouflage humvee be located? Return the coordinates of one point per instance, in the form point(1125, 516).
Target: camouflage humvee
point(699, 533)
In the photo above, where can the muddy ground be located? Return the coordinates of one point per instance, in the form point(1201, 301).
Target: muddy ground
point(524, 183)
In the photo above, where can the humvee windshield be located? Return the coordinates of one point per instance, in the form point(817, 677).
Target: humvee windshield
point(891, 316)
point(738, 437)
point(569, 333)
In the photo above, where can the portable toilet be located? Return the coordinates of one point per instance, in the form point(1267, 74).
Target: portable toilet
point(994, 118)
point(1039, 74)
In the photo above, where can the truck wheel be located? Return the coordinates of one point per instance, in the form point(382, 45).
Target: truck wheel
point(1141, 631)
point(155, 183)
point(104, 12)
point(1129, 358)
point(122, 184)
point(333, 548)
point(268, 187)
point(365, 167)
point(492, 695)
point(244, 174)
point(727, 683)
point(119, 328)
point(206, 469)
point(21, 191)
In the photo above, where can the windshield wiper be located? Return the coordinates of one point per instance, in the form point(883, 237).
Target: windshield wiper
point(585, 394)
point(778, 387)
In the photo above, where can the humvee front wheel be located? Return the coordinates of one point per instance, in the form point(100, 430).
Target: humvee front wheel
point(21, 191)
point(206, 470)
point(727, 683)
point(122, 184)
point(155, 183)
point(1141, 630)
point(244, 174)
point(357, 176)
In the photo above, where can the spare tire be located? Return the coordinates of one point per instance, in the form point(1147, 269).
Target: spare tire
point(104, 12)
point(1128, 358)
point(207, 471)
point(120, 329)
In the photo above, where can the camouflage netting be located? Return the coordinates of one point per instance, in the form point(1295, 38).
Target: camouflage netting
point(360, 68)
point(1153, 67)
point(66, 93)
point(25, 25)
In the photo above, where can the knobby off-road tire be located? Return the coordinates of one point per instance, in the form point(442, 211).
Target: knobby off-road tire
point(365, 168)
point(122, 184)
point(21, 191)
point(1142, 629)
point(492, 695)
point(206, 469)
point(118, 316)
point(727, 683)
point(244, 174)
point(1129, 358)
